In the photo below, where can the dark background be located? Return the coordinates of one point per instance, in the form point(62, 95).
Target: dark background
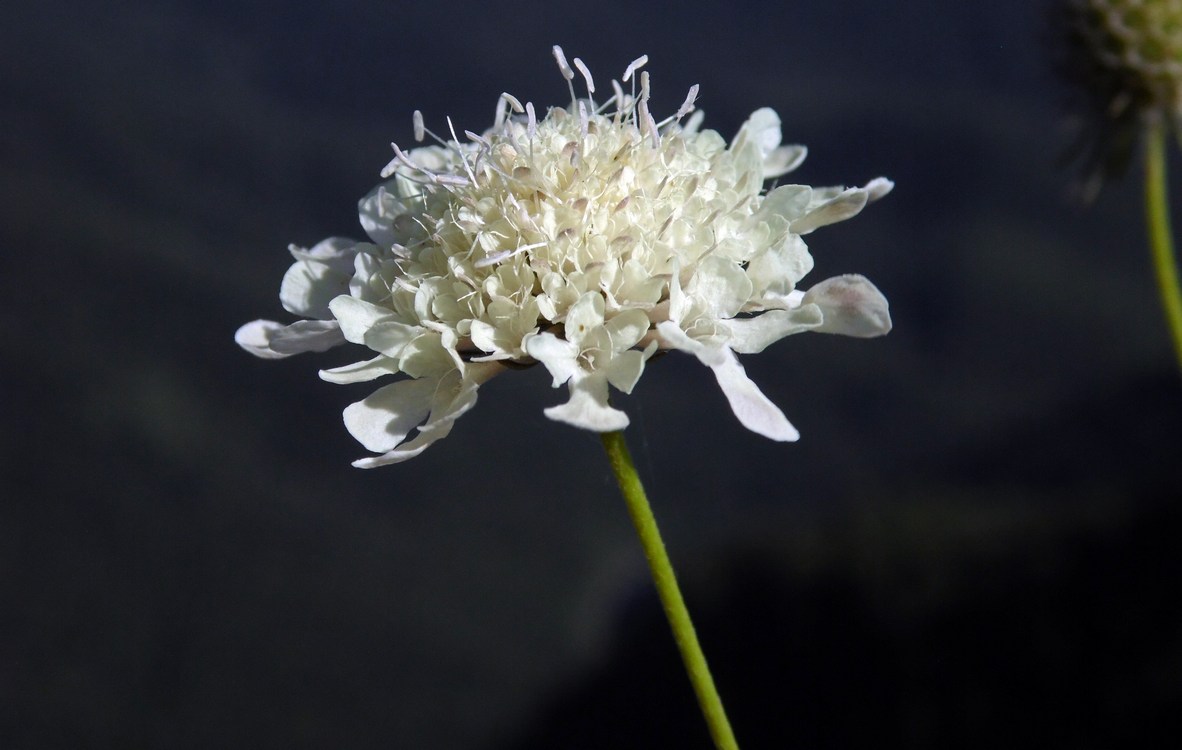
point(975, 543)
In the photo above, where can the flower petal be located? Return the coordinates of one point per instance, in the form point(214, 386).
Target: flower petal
point(776, 270)
point(378, 211)
point(851, 305)
point(356, 317)
point(627, 367)
point(453, 398)
point(584, 316)
point(361, 372)
point(558, 355)
point(752, 408)
point(840, 207)
point(627, 328)
point(719, 287)
point(753, 335)
point(271, 340)
point(317, 276)
point(789, 201)
point(587, 407)
point(384, 418)
point(783, 160)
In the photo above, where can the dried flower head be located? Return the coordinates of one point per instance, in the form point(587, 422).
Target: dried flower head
point(585, 240)
point(1125, 59)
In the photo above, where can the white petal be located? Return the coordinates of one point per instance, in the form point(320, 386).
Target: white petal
point(378, 210)
point(452, 401)
point(588, 408)
point(851, 305)
point(776, 270)
point(878, 187)
point(789, 201)
point(484, 336)
point(318, 275)
point(625, 369)
point(783, 160)
point(335, 252)
point(255, 337)
point(627, 328)
point(762, 130)
point(842, 206)
point(753, 335)
point(719, 287)
point(383, 419)
point(391, 337)
point(558, 355)
point(271, 340)
point(752, 408)
point(357, 317)
point(584, 316)
point(361, 372)
point(307, 336)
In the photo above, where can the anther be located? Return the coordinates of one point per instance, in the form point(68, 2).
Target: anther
point(586, 76)
point(420, 130)
point(634, 66)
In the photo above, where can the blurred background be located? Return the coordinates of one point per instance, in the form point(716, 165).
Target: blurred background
point(975, 543)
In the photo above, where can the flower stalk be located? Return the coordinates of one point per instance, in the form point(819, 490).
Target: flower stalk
point(667, 589)
point(1157, 217)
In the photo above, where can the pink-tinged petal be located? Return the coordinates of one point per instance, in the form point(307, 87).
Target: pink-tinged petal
point(852, 306)
point(752, 408)
point(588, 407)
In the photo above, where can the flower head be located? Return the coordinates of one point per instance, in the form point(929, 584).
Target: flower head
point(1125, 59)
point(586, 240)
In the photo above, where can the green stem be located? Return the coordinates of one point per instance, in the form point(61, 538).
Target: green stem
point(1157, 217)
point(666, 583)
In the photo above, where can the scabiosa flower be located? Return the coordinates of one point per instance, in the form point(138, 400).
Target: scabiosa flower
point(586, 240)
point(1124, 58)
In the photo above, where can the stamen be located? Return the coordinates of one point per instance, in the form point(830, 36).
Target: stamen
point(586, 76)
point(567, 73)
point(688, 105)
point(583, 119)
point(618, 97)
point(460, 151)
point(502, 112)
point(513, 102)
point(420, 131)
point(634, 66)
point(649, 124)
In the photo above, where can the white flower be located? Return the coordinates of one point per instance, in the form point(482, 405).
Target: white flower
point(585, 240)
